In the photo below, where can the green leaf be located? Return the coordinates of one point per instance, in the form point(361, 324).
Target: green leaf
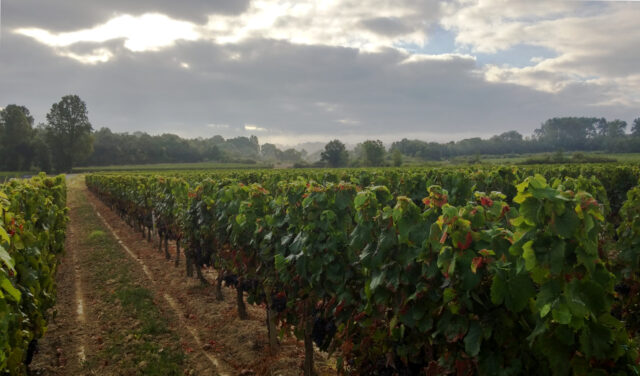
point(377, 280)
point(4, 236)
point(561, 314)
point(529, 210)
point(473, 339)
point(545, 310)
point(556, 257)
point(566, 224)
point(448, 295)
point(280, 262)
point(529, 255)
point(6, 258)
point(521, 289)
point(6, 285)
point(498, 290)
point(540, 328)
point(360, 199)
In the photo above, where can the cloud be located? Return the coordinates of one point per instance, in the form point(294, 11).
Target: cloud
point(594, 44)
point(387, 26)
point(149, 32)
point(251, 127)
point(372, 25)
point(316, 71)
point(66, 15)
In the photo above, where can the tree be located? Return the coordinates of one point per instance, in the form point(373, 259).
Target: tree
point(16, 127)
point(373, 152)
point(635, 128)
point(601, 127)
point(335, 154)
point(616, 128)
point(41, 153)
point(69, 132)
point(291, 155)
point(242, 147)
point(570, 133)
point(397, 158)
point(270, 152)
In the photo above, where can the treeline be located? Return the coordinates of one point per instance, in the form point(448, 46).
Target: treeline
point(566, 133)
point(141, 148)
point(67, 139)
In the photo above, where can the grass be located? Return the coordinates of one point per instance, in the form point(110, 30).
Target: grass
point(6, 175)
point(171, 166)
point(96, 235)
point(136, 333)
point(511, 159)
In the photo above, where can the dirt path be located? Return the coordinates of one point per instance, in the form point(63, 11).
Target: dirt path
point(124, 309)
point(107, 321)
point(242, 344)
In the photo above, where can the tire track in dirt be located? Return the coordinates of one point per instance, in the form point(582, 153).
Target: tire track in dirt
point(219, 366)
point(63, 349)
point(80, 316)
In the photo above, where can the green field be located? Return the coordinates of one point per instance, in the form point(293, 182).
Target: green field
point(171, 166)
point(6, 175)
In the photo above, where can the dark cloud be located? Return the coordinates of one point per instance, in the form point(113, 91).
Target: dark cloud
point(67, 15)
point(293, 91)
point(387, 26)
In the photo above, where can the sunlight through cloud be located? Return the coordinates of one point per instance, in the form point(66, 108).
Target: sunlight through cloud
point(148, 32)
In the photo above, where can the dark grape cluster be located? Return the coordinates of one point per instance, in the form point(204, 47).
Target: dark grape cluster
point(323, 332)
point(279, 302)
point(230, 280)
point(381, 368)
point(249, 285)
point(622, 289)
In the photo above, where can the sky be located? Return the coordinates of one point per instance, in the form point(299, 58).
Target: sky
point(311, 71)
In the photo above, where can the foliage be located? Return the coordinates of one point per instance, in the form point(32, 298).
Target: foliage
point(335, 154)
point(16, 127)
point(396, 156)
point(459, 281)
point(559, 158)
point(69, 132)
point(374, 152)
point(32, 233)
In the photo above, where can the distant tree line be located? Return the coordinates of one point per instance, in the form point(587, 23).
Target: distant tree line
point(141, 148)
point(565, 133)
point(67, 139)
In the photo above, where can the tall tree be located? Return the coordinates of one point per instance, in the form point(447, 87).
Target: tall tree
point(635, 128)
point(16, 126)
point(69, 132)
point(41, 153)
point(396, 156)
point(569, 133)
point(270, 152)
point(373, 152)
point(335, 154)
point(616, 128)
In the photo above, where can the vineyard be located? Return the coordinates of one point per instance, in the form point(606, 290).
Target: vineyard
point(32, 233)
point(427, 271)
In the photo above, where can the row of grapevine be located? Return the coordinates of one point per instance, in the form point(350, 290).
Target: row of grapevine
point(32, 232)
point(412, 182)
point(457, 282)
